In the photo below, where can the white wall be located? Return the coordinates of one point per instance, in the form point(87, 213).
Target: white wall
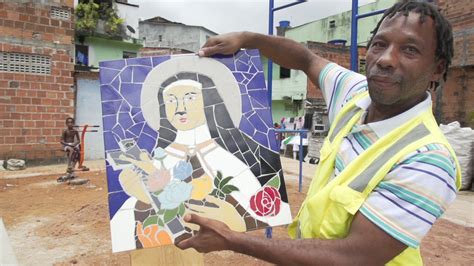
point(130, 14)
point(89, 111)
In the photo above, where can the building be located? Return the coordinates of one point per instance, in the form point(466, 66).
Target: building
point(289, 90)
point(36, 81)
point(455, 99)
point(161, 36)
point(113, 36)
point(338, 26)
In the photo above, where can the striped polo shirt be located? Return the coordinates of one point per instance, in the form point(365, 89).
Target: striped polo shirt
point(418, 188)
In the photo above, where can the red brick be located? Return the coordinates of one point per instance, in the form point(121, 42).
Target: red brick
point(54, 22)
point(44, 21)
point(29, 26)
point(4, 132)
point(36, 101)
point(31, 108)
point(8, 123)
point(50, 29)
point(19, 25)
point(15, 100)
point(21, 108)
point(29, 124)
point(26, 116)
point(25, 100)
point(36, 131)
point(15, 116)
point(8, 23)
point(19, 77)
point(24, 85)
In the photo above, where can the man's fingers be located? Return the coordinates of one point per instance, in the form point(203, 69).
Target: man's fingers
point(208, 51)
point(184, 244)
point(196, 219)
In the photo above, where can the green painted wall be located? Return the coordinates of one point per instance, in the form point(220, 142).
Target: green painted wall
point(278, 110)
point(320, 31)
point(104, 49)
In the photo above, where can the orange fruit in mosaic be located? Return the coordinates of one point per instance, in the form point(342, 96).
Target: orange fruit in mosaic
point(152, 236)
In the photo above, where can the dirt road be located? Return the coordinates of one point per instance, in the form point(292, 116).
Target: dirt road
point(51, 223)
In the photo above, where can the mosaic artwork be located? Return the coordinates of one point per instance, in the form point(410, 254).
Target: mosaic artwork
point(185, 134)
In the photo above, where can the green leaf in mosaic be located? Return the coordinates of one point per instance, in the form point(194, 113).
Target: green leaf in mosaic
point(160, 222)
point(217, 179)
point(213, 193)
point(170, 215)
point(229, 188)
point(225, 181)
point(150, 220)
point(274, 182)
point(156, 193)
point(181, 210)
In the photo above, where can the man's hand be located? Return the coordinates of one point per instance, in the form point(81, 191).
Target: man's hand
point(366, 244)
point(213, 235)
point(223, 44)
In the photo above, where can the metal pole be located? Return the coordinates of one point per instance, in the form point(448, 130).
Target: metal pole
point(288, 5)
point(301, 163)
point(269, 230)
point(270, 62)
point(271, 9)
point(354, 54)
point(369, 14)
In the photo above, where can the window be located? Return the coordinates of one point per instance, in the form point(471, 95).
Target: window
point(289, 107)
point(362, 66)
point(332, 24)
point(160, 38)
point(129, 55)
point(59, 13)
point(25, 63)
point(285, 73)
point(82, 55)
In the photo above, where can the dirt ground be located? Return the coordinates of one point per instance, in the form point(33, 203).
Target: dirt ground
point(51, 223)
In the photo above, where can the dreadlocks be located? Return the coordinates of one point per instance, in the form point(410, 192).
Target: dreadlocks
point(444, 34)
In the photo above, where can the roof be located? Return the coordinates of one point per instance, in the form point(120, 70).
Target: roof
point(163, 21)
point(125, 3)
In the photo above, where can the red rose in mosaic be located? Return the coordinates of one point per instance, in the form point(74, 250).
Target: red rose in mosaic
point(266, 202)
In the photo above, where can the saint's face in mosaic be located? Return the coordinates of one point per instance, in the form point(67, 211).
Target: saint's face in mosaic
point(184, 105)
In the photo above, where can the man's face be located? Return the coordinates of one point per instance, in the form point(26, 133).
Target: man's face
point(401, 61)
point(184, 107)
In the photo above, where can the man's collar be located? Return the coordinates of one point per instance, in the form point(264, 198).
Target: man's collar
point(382, 128)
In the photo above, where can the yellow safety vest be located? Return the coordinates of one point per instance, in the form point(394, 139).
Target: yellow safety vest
point(330, 206)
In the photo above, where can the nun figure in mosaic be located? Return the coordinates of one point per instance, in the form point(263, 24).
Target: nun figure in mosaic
point(202, 163)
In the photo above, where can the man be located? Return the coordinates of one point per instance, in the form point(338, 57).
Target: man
point(70, 141)
point(386, 171)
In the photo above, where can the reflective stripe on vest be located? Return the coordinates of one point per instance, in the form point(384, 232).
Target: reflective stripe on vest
point(363, 179)
point(343, 121)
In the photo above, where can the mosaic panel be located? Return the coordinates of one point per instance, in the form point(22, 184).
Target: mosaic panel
point(184, 134)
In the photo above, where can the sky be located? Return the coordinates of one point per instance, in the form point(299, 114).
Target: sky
point(222, 16)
